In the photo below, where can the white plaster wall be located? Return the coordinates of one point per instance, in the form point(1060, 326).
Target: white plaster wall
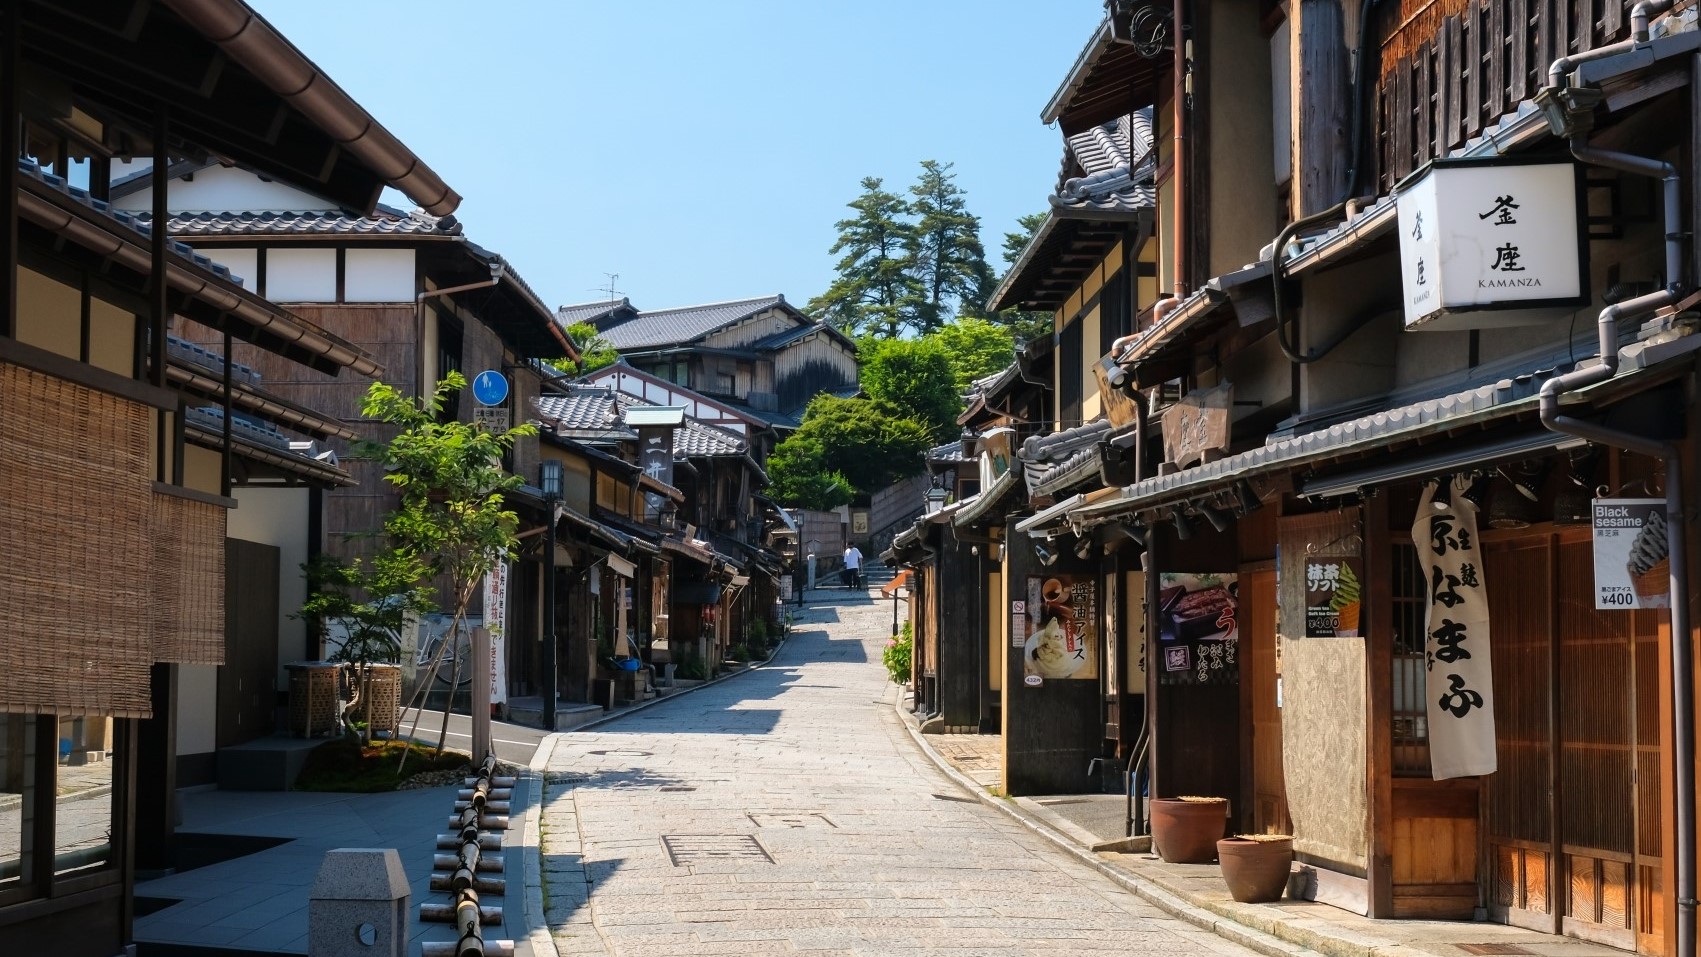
point(278, 516)
point(301, 275)
point(243, 264)
point(377, 275)
point(197, 708)
point(221, 188)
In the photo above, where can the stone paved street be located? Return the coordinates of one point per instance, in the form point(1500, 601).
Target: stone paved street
point(788, 811)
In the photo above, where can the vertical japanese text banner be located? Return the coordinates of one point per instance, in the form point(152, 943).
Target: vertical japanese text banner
point(1460, 683)
point(495, 621)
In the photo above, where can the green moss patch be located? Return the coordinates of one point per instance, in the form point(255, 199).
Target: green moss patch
point(347, 765)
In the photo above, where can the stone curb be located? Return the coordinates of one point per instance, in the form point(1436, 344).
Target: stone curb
point(1166, 900)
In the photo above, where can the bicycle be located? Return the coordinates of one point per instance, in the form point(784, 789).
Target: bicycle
point(457, 667)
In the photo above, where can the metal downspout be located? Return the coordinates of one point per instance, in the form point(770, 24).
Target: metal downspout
point(1683, 692)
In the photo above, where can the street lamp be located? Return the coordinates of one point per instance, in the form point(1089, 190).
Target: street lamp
point(895, 611)
point(935, 497)
point(549, 479)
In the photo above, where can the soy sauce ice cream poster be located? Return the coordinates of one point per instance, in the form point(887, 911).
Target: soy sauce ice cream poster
point(1061, 622)
point(1198, 630)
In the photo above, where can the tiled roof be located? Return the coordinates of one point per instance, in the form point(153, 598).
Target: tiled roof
point(590, 311)
point(138, 224)
point(1057, 461)
point(699, 440)
point(586, 410)
point(1116, 163)
point(949, 452)
point(686, 324)
point(384, 222)
point(778, 420)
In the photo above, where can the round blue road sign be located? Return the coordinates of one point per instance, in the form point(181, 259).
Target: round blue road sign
point(490, 387)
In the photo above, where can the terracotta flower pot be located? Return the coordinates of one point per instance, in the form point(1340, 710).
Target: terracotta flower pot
point(1256, 871)
point(1186, 832)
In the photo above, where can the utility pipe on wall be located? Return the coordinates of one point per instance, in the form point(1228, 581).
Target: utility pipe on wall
point(420, 389)
point(1682, 658)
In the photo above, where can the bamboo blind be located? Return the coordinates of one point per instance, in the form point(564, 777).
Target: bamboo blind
point(1324, 708)
point(75, 627)
point(188, 572)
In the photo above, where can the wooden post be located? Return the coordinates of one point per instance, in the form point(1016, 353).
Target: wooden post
point(9, 172)
point(1379, 704)
point(1320, 130)
point(480, 694)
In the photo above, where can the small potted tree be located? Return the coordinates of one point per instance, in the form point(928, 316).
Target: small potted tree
point(366, 604)
point(1256, 866)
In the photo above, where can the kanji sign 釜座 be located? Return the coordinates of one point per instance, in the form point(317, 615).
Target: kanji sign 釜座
point(1476, 235)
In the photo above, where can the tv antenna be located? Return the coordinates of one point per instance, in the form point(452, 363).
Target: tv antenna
point(610, 293)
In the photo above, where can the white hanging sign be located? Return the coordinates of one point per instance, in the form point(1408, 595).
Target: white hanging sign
point(495, 622)
point(1632, 564)
point(1488, 235)
point(1460, 681)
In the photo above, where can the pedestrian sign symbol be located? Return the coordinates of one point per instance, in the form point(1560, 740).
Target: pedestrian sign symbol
point(490, 387)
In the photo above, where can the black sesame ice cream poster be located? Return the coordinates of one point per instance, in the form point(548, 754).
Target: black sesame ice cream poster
point(1632, 568)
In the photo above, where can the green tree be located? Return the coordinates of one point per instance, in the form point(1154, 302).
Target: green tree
point(976, 347)
point(800, 479)
point(876, 289)
point(595, 351)
point(950, 262)
point(452, 519)
point(367, 604)
point(1023, 324)
point(869, 444)
point(915, 377)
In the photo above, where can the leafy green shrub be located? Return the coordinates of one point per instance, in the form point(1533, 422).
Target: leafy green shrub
point(897, 655)
point(690, 666)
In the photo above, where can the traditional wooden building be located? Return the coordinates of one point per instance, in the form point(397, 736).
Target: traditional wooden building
point(130, 457)
point(1407, 479)
point(762, 355)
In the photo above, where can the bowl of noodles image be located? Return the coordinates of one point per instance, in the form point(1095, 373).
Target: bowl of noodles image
point(1049, 652)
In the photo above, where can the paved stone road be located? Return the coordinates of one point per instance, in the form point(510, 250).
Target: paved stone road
point(788, 811)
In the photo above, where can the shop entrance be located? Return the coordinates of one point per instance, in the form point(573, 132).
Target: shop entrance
point(1572, 829)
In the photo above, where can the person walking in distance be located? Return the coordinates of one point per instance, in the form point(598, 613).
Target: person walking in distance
point(853, 567)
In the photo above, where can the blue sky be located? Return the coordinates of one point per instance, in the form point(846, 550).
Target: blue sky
point(702, 151)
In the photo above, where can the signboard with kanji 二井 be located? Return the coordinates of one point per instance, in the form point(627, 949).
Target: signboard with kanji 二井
point(1478, 235)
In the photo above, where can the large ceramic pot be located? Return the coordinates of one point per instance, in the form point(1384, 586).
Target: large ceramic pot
point(1186, 832)
point(1256, 870)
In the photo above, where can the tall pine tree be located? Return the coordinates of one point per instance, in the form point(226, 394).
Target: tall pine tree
point(876, 290)
point(950, 262)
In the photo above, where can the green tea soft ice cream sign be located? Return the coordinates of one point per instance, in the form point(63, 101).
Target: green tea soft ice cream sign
point(1332, 596)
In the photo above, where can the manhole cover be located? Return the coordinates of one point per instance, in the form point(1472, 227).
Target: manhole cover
point(565, 777)
point(957, 798)
point(686, 849)
point(623, 753)
point(790, 820)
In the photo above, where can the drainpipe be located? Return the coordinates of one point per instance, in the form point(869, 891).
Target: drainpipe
point(1683, 691)
point(1640, 14)
point(1178, 162)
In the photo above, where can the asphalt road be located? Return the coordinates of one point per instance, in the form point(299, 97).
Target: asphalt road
point(515, 743)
